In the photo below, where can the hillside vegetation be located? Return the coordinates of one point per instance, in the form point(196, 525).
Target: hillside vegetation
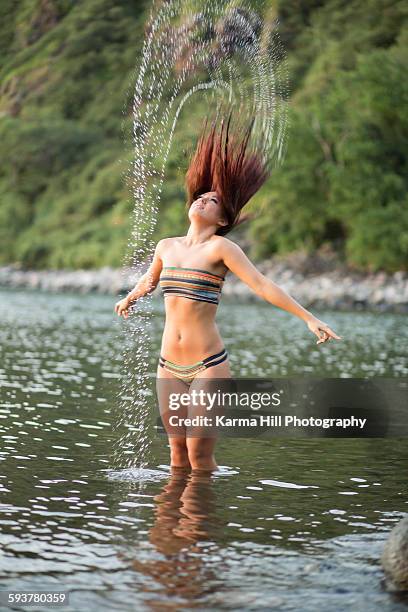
point(67, 73)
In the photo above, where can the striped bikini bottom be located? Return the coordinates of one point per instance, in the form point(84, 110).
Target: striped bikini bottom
point(189, 372)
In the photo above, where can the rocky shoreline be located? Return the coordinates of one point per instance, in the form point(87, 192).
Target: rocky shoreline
point(315, 281)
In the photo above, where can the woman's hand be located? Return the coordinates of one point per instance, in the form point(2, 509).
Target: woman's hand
point(122, 307)
point(322, 330)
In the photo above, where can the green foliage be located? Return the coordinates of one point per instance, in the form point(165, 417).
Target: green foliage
point(67, 72)
point(345, 177)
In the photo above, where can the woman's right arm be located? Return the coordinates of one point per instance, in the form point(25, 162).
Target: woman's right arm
point(146, 283)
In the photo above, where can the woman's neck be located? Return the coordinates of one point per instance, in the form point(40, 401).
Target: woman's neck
point(198, 235)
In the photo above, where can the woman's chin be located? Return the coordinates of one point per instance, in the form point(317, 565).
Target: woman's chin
point(196, 214)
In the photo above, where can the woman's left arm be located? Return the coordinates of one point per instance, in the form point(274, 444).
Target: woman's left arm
point(236, 260)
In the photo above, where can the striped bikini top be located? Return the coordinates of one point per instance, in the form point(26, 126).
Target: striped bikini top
point(191, 283)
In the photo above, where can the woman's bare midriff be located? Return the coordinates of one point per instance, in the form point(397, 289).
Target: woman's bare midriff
point(190, 331)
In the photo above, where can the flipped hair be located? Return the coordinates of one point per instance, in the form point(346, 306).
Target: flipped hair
point(224, 162)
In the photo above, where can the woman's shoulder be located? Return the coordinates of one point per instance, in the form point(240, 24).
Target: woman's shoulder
point(165, 242)
point(221, 242)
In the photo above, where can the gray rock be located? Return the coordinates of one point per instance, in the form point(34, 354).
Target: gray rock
point(313, 281)
point(394, 558)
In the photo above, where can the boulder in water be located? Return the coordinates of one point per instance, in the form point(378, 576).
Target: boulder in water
point(394, 558)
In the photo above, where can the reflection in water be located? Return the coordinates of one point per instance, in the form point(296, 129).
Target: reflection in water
point(184, 516)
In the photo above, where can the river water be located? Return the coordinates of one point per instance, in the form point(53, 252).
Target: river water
point(283, 524)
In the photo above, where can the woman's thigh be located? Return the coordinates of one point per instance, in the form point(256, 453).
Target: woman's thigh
point(173, 411)
point(172, 394)
point(208, 402)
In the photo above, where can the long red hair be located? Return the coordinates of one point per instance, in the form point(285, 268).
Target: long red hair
point(224, 162)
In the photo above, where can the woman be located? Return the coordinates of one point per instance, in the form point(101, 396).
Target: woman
point(222, 177)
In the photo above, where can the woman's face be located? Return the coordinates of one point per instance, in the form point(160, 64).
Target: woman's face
point(208, 207)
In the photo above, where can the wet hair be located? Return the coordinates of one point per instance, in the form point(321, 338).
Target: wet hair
point(224, 162)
